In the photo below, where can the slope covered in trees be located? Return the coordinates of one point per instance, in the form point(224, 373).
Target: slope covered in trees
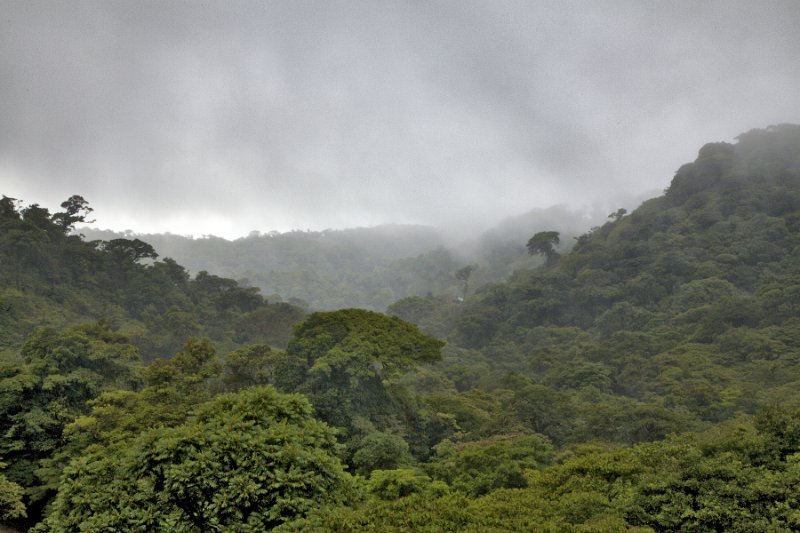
point(49, 276)
point(677, 315)
point(364, 267)
point(644, 381)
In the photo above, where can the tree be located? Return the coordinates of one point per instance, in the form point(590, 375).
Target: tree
point(249, 366)
point(248, 461)
point(348, 363)
point(61, 371)
point(76, 209)
point(380, 450)
point(463, 274)
point(543, 243)
point(129, 250)
point(9, 208)
point(477, 468)
point(618, 214)
point(11, 505)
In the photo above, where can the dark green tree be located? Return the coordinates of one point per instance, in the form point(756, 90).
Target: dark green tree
point(128, 250)
point(76, 209)
point(543, 243)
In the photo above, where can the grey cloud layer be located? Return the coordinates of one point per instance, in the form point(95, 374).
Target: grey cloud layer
point(271, 115)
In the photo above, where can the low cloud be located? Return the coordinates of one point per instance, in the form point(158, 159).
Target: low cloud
point(224, 117)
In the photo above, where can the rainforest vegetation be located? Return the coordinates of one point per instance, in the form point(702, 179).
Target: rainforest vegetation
point(641, 376)
point(368, 268)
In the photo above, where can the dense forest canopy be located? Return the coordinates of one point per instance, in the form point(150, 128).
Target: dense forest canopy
point(645, 379)
point(368, 268)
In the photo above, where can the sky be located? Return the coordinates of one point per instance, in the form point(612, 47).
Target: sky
point(223, 117)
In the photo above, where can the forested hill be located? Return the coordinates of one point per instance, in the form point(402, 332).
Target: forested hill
point(722, 241)
point(51, 277)
point(690, 304)
point(646, 380)
point(692, 298)
point(672, 324)
point(366, 267)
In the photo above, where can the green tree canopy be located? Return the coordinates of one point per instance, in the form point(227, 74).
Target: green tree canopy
point(247, 461)
point(348, 363)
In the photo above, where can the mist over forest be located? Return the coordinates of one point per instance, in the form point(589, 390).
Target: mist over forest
point(399, 266)
point(228, 117)
point(368, 267)
point(642, 378)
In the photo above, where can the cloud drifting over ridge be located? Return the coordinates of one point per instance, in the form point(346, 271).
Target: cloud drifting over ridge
point(224, 117)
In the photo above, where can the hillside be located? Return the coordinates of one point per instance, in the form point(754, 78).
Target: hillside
point(687, 305)
point(645, 380)
point(49, 276)
point(365, 267)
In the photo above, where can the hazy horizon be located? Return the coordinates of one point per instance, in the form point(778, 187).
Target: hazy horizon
point(222, 118)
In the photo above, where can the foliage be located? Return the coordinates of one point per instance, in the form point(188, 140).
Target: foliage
point(646, 380)
point(399, 483)
point(544, 243)
point(11, 504)
point(477, 468)
point(60, 372)
point(49, 276)
point(345, 361)
point(246, 461)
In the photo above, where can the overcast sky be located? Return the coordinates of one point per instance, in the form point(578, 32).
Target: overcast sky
point(222, 117)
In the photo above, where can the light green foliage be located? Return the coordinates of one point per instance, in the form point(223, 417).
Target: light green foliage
point(174, 387)
point(250, 366)
point(11, 504)
point(728, 480)
point(363, 343)
point(379, 450)
point(477, 468)
point(61, 371)
point(399, 483)
point(194, 364)
point(247, 461)
point(503, 510)
point(734, 478)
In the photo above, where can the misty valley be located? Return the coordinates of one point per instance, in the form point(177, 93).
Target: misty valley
point(562, 371)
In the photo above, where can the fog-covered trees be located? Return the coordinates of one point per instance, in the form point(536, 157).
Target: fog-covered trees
point(544, 243)
point(347, 362)
point(463, 274)
point(647, 380)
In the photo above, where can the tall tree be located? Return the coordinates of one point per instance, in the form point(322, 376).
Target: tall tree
point(463, 274)
point(543, 243)
point(76, 209)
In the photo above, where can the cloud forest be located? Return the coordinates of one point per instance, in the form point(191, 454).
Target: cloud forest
point(638, 371)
